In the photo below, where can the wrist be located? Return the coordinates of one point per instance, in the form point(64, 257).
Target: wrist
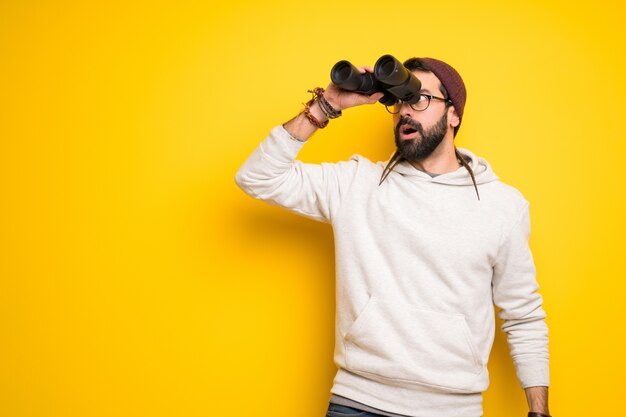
point(324, 105)
point(317, 112)
point(333, 102)
point(536, 414)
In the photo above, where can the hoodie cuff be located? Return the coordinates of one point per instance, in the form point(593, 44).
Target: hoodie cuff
point(533, 372)
point(281, 145)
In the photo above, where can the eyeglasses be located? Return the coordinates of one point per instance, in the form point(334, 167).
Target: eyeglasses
point(421, 105)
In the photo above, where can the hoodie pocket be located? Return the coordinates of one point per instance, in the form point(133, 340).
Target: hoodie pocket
point(393, 341)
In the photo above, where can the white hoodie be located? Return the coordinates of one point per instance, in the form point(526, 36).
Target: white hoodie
point(420, 261)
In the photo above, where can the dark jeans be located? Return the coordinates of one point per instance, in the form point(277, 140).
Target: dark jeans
point(335, 410)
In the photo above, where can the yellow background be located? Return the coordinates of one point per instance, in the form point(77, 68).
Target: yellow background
point(137, 279)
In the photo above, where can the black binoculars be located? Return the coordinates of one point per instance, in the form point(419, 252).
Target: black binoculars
point(390, 77)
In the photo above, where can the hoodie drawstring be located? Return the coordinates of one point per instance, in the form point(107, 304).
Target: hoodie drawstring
point(396, 159)
point(464, 163)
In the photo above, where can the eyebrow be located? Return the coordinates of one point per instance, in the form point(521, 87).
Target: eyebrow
point(425, 90)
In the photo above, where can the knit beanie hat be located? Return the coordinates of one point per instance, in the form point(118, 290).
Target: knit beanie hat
point(453, 83)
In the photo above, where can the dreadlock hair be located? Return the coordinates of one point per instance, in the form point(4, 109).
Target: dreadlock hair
point(416, 64)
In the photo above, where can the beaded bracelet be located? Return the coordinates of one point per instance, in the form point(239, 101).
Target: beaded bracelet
point(326, 107)
point(313, 119)
point(309, 115)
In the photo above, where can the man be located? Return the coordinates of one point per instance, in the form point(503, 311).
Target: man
point(425, 245)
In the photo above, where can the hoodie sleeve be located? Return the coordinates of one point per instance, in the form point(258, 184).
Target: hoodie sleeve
point(515, 292)
point(273, 174)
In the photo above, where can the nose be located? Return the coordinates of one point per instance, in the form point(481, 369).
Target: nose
point(405, 109)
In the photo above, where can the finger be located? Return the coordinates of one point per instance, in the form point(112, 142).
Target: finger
point(365, 69)
point(371, 99)
point(376, 96)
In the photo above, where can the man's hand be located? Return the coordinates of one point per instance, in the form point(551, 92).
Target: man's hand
point(537, 398)
point(302, 129)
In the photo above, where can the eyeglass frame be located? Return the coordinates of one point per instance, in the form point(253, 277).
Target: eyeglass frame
point(428, 96)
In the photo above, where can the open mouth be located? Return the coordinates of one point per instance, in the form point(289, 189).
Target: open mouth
point(407, 132)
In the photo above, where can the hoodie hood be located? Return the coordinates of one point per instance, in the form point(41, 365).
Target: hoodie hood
point(481, 168)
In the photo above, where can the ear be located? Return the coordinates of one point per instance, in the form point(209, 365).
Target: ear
point(453, 117)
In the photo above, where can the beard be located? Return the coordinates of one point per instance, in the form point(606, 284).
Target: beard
point(416, 148)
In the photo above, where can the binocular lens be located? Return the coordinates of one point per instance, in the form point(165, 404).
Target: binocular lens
point(346, 76)
point(397, 79)
point(390, 71)
point(341, 72)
